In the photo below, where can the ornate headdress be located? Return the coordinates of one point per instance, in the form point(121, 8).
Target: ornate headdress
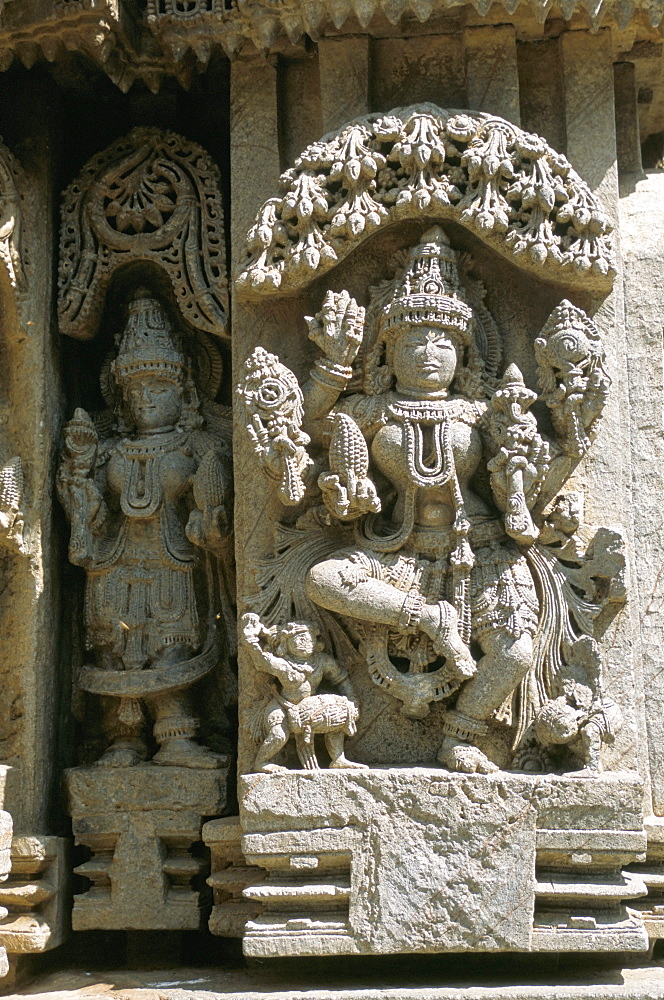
point(429, 291)
point(148, 343)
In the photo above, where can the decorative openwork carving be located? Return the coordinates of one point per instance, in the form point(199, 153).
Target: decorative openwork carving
point(152, 196)
point(147, 489)
point(429, 537)
point(524, 199)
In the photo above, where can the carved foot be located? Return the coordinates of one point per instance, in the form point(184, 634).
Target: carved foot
point(440, 622)
point(343, 761)
point(271, 768)
point(123, 754)
point(463, 757)
point(185, 753)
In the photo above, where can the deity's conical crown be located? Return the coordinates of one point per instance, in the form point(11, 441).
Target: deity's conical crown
point(147, 343)
point(429, 291)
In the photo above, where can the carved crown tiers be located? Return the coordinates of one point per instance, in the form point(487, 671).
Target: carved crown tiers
point(429, 290)
point(140, 200)
point(147, 344)
point(519, 195)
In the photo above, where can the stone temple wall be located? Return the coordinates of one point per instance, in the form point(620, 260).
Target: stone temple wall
point(331, 482)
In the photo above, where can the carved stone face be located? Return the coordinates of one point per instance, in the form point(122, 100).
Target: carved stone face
point(425, 359)
point(155, 403)
point(301, 645)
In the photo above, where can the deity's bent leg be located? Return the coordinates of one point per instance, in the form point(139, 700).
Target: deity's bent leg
point(343, 585)
point(335, 747)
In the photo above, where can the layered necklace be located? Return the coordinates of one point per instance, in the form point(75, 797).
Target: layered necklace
point(142, 494)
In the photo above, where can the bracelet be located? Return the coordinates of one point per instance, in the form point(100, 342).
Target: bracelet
point(331, 374)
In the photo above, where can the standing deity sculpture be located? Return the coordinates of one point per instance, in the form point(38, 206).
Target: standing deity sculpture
point(419, 537)
point(148, 496)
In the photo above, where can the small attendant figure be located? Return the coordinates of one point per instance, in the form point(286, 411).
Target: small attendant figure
point(293, 654)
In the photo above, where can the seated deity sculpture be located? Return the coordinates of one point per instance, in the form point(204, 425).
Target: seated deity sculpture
point(418, 536)
point(148, 502)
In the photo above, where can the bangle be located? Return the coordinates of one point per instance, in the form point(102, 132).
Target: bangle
point(331, 374)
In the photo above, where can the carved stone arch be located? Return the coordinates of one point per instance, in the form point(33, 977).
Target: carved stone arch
point(516, 193)
point(154, 197)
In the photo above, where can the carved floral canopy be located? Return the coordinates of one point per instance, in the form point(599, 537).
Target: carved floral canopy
point(522, 198)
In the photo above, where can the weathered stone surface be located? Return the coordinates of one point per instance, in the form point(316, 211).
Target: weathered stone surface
point(416, 979)
point(140, 823)
point(34, 895)
point(446, 602)
point(418, 860)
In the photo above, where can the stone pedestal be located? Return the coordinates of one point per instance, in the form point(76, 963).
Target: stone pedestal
point(141, 824)
point(230, 875)
point(5, 865)
point(34, 898)
point(413, 860)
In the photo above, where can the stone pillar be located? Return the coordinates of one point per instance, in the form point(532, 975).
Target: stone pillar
point(492, 79)
point(344, 79)
point(34, 688)
point(542, 97)
point(605, 476)
point(255, 170)
point(627, 119)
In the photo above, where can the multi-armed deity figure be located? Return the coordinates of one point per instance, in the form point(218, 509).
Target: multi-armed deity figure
point(148, 502)
point(436, 480)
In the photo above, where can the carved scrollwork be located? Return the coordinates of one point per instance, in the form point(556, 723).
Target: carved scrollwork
point(151, 196)
point(509, 186)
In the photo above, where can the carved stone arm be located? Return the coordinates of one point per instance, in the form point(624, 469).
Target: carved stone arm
point(347, 490)
point(251, 632)
point(337, 330)
point(521, 456)
point(209, 522)
point(571, 367)
point(78, 492)
point(335, 674)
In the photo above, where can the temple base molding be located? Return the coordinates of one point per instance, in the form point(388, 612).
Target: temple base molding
point(142, 864)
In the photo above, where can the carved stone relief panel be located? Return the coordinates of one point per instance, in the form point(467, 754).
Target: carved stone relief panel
point(431, 591)
point(146, 484)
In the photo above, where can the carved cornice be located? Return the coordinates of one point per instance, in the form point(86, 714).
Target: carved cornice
point(105, 31)
point(508, 186)
point(152, 197)
point(200, 25)
point(177, 37)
